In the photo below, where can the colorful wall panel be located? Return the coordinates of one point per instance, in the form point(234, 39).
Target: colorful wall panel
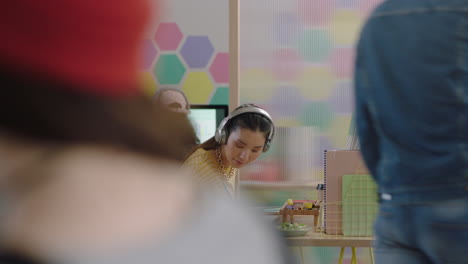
point(187, 50)
point(297, 61)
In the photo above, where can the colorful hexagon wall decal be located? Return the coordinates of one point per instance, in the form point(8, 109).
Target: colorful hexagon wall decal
point(219, 69)
point(315, 12)
point(257, 85)
point(315, 45)
point(287, 64)
point(197, 51)
point(341, 99)
point(287, 101)
point(169, 69)
point(287, 28)
point(221, 96)
point(347, 3)
point(317, 114)
point(168, 36)
point(345, 26)
point(342, 62)
point(149, 54)
point(198, 87)
point(316, 83)
point(286, 122)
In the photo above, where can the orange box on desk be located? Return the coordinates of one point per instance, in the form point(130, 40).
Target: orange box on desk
point(291, 213)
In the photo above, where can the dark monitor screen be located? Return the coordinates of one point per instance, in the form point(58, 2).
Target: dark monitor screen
point(206, 119)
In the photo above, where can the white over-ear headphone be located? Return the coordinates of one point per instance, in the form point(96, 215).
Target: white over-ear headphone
point(221, 133)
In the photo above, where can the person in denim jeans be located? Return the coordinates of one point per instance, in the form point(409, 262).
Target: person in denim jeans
point(411, 86)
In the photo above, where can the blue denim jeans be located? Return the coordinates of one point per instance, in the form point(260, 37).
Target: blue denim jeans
point(434, 232)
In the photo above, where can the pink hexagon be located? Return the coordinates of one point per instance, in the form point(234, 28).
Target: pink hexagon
point(342, 62)
point(219, 69)
point(316, 12)
point(287, 64)
point(168, 36)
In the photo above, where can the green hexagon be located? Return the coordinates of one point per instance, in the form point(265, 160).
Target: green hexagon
point(198, 87)
point(315, 45)
point(317, 114)
point(169, 69)
point(221, 96)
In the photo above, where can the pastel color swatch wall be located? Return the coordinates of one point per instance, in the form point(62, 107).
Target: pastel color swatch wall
point(297, 61)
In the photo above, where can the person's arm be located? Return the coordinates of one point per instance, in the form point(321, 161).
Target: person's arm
point(366, 130)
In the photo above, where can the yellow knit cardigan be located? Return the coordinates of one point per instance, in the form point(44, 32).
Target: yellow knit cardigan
point(205, 168)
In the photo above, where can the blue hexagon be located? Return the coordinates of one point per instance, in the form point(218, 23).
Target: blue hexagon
point(197, 51)
point(341, 98)
point(287, 28)
point(287, 101)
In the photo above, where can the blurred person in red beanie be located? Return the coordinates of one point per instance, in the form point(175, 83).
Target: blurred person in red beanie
point(90, 169)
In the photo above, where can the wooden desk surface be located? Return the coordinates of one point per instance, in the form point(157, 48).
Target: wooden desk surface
point(279, 186)
point(314, 239)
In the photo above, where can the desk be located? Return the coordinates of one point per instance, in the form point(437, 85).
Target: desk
point(279, 186)
point(313, 239)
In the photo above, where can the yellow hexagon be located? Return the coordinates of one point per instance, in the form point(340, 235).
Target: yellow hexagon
point(287, 122)
point(147, 83)
point(338, 130)
point(256, 85)
point(345, 26)
point(316, 83)
point(198, 87)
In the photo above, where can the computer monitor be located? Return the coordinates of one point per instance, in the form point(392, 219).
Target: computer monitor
point(206, 119)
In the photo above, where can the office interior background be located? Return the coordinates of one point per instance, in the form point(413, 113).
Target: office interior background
point(296, 61)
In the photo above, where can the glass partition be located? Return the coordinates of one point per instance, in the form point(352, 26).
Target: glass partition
point(296, 61)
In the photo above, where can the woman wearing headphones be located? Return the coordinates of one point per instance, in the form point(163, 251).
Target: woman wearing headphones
point(239, 140)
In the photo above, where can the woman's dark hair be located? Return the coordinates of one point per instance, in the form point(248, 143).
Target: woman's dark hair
point(252, 121)
point(51, 111)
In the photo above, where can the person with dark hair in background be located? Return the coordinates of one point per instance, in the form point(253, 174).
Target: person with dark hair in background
point(90, 169)
point(412, 121)
point(240, 138)
point(175, 101)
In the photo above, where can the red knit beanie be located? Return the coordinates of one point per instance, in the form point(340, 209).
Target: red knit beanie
point(94, 45)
